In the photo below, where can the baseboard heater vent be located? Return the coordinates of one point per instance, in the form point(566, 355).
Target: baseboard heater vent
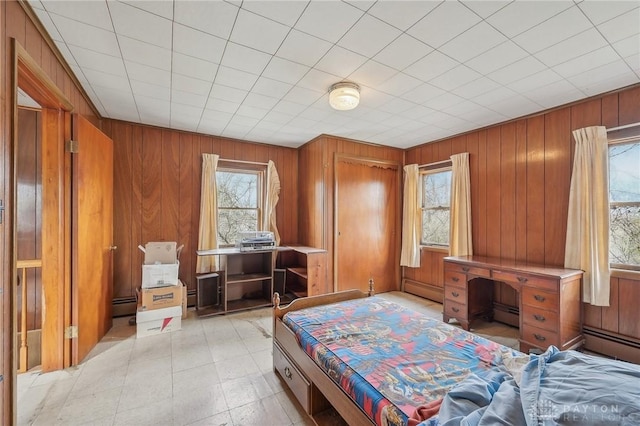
point(613, 337)
point(612, 345)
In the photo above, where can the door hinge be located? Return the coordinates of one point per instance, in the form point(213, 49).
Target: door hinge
point(1, 210)
point(72, 146)
point(71, 332)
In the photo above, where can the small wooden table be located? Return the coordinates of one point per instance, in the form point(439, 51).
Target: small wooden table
point(549, 298)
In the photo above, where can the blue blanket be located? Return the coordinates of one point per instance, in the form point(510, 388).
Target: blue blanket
point(557, 387)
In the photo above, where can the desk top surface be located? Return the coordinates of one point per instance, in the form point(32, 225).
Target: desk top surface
point(513, 266)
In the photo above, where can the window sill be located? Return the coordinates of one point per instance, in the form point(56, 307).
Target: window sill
point(436, 249)
point(625, 274)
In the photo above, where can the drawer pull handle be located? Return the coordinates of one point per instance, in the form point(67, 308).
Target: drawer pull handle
point(454, 309)
point(455, 279)
point(539, 298)
point(465, 269)
point(287, 372)
point(455, 294)
point(539, 337)
point(539, 317)
point(522, 279)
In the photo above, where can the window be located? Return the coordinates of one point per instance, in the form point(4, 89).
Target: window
point(624, 199)
point(239, 201)
point(436, 193)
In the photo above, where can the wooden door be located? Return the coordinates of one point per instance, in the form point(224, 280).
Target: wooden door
point(92, 237)
point(366, 219)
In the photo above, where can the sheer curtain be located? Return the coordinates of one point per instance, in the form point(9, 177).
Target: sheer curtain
point(587, 245)
point(271, 200)
point(411, 214)
point(460, 240)
point(208, 230)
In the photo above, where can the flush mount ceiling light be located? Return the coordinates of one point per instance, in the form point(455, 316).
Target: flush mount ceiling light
point(344, 96)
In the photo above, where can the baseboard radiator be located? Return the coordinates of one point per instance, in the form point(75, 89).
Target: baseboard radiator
point(126, 306)
point(611, 344)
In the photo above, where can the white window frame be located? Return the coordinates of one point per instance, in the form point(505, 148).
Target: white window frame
point(431, 169)
point(245, 168)
point(622, 204)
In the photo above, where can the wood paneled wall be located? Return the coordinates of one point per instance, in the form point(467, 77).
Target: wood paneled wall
point(157, 174)
point(520, 180)
point(317, 191)
point(29, 218)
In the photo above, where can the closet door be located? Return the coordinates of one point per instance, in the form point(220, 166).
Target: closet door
point(367, 211)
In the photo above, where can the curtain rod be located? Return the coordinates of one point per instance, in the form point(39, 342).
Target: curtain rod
point(244, 162)
point(434, 164)
point(626, 126)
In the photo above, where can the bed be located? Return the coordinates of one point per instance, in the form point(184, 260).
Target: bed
point(376, 362)
point(385, 358)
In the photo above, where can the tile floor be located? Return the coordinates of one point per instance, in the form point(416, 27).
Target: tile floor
point(215, 371)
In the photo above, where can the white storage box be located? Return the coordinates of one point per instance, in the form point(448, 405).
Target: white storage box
point(161, 264)
point(158, 321)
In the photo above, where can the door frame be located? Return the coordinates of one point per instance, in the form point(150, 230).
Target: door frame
point(370, 162)
point(56, 201)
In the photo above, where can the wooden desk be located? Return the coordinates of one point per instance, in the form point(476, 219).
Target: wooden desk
point(549, 298)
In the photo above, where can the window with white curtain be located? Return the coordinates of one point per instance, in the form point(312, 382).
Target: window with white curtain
point(435, 184)
point(240, 194)
point(624, 202)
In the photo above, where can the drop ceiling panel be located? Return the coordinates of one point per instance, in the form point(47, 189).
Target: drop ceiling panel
point(262, 69)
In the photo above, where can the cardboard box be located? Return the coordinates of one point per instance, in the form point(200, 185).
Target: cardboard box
point(161, 264)
point(158, 321)
point(159, 297)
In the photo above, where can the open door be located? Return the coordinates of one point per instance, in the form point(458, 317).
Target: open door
point(92, 237)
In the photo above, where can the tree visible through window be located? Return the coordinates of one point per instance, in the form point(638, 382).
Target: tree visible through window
point(238, 204)
point(436, 193)
point(624, 200)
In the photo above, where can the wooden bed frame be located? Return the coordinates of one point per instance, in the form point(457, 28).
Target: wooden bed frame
point(313, 388)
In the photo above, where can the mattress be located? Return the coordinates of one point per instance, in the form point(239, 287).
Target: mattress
point(390, 359)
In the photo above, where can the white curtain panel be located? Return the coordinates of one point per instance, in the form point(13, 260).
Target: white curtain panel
point(411, 216)
point(587, 245)
point(271, 200)
point(208, 230)
point(460, 239)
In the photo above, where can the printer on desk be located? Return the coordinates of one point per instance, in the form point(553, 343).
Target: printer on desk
point(256, 240)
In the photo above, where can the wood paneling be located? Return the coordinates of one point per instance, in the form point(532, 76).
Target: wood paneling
point(29, 209)
point(157, 193)
point(520, 178)
point(317, 191)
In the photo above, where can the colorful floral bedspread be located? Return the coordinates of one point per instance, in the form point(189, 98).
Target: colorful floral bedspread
point(388, 358)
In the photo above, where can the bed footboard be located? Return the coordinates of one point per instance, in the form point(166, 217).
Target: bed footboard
point(315, 391)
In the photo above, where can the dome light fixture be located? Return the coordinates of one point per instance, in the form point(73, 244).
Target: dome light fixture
point(344, 96)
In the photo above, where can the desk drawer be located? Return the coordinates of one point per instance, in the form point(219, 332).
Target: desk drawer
point(298, 384)
point(538, 336)
point(457, 279)
point(540, 318)
point(540, 299)
point(523, 279)
point(471, 270)
point(458, 294)
point(455, 310)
